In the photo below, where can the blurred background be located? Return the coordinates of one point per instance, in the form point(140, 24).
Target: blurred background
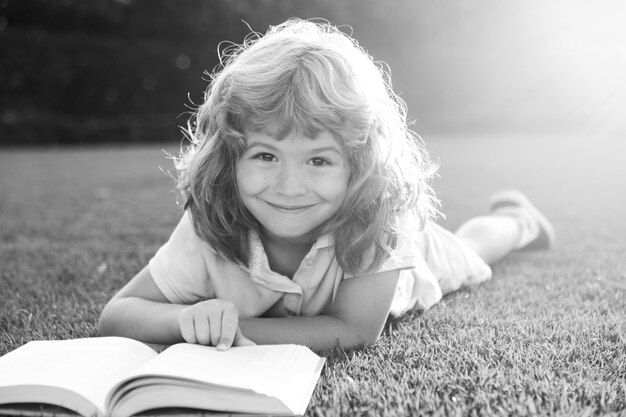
point(126, 71)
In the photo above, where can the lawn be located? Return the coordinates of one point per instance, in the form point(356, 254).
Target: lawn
point(547, 336)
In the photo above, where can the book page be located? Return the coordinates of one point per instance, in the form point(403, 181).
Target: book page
point(89, 367)
point(286, 372)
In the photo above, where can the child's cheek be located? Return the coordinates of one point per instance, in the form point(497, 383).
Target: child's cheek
point(251, 180)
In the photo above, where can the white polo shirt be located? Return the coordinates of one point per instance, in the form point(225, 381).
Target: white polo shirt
point(187, 270)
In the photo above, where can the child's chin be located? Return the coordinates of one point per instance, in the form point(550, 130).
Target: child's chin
point(294, 234)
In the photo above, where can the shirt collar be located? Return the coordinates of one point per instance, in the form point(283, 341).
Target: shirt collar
point(324, 241)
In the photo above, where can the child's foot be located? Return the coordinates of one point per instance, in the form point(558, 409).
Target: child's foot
point(536, 230)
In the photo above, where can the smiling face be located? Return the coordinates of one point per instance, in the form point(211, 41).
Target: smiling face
point(292, 186)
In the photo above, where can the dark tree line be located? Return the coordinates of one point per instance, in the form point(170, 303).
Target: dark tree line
point(74, 71)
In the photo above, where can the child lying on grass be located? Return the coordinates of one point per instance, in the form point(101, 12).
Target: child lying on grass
point(308, 208)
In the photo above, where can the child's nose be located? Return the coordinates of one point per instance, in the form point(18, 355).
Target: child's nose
point(290, 181)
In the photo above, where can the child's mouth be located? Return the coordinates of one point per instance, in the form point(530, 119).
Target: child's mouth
point(287, 208)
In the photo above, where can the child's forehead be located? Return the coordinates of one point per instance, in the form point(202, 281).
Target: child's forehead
point(279, 131)
point(324, 138)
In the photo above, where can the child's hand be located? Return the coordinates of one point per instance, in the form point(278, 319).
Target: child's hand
point(212, 322)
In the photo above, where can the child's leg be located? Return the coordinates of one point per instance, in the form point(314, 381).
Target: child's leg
point(491, 237)
point(514, 223)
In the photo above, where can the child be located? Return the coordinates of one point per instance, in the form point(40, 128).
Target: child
point(308, 210)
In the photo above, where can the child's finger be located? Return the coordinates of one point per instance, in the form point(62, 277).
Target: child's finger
point(187, 330)
point(230, 323)
point(215, 320)
point(241, 340)
point(202, 328)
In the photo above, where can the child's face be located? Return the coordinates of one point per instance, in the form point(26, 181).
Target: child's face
point(292, 185)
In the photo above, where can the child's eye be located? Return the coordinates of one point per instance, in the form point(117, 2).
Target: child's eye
point(265, 157)
point(320, 162)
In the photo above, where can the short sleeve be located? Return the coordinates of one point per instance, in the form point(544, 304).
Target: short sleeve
point(401, 258)
point(179, 268)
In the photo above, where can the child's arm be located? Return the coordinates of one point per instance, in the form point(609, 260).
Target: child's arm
point(141, 311)
point(355, 318)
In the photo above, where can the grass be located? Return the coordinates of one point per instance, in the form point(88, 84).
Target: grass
point(547, 336)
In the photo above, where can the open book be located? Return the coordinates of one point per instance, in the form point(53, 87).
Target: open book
point(116, 376)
